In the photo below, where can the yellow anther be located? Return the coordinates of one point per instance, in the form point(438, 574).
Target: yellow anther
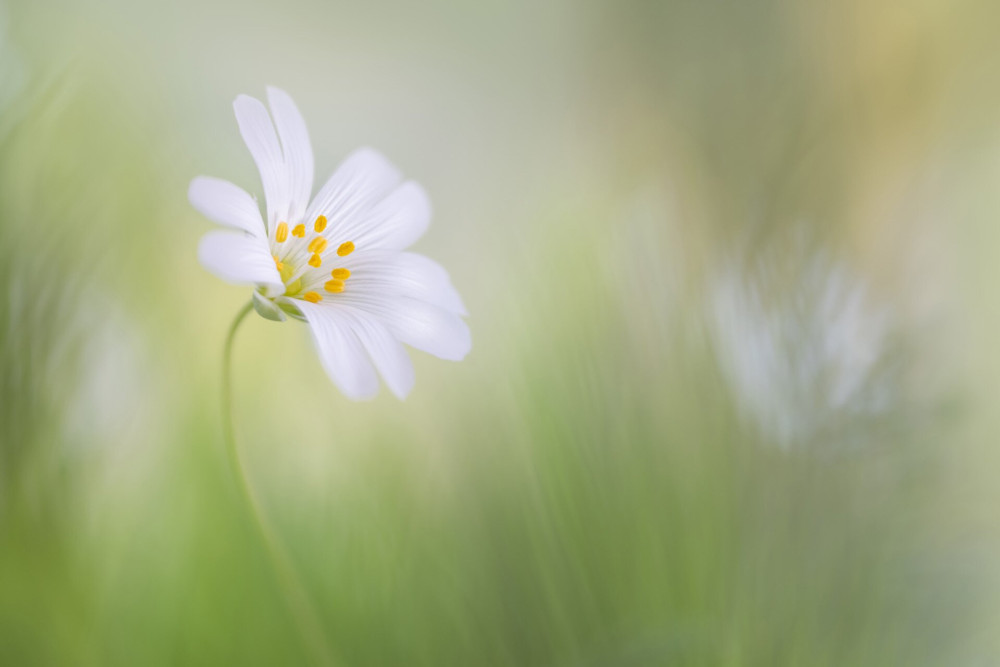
point(316, 261)
point(300, 231)
point(320, 224)
point(345, 249)
point(280, 265)
point(312, 297)
point(317, 245)
point(286, 271)
point(335, 286)
point(281, 235)
point(340, 274)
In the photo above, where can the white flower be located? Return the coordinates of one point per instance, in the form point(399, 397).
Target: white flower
point(337, 261)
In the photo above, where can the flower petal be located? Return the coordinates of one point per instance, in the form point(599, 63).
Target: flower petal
point(262, 141)
point(227, 204)
point(359, 183)
point(404, 274)
point(388, 354)
point(340, 350)
point(397, 221)
point(240, 259)
point(296, 148)
point(424, 326)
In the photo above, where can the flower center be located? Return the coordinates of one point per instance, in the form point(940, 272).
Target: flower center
point(301, 263)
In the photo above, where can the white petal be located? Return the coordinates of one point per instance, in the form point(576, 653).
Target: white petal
point(340, 351)
point(403, 274)
point(359, 183)
point(227, 204)
point(296, 148)
point(421, 325)
point(388, 354)
point(396, 222)
point(240, 259)
point(262, 141)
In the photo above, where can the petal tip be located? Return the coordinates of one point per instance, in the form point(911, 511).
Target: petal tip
point(420, 198)
point(244, 103)
point(401, 391)
point(367, 154)
point(460, 347)
point(196, 183)
point(274, 91)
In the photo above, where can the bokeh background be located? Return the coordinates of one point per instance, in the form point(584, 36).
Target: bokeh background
point(731, 268)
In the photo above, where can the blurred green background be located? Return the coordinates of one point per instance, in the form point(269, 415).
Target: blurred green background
point(732, 398)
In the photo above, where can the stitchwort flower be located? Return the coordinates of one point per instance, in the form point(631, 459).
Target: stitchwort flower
point(335, 261)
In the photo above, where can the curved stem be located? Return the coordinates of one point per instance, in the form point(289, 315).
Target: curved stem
point(305, 616)
point(227, 400)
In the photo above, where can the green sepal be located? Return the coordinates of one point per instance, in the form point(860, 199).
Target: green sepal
point(291, 310)
point(267, 309)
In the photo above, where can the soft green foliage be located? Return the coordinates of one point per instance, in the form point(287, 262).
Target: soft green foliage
point(592, 486)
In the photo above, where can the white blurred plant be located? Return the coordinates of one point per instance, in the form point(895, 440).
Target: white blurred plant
point(111, 400)
point(803, 347)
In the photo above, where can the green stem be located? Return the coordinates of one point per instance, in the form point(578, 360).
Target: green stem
point(298, 602)
point(227, 400)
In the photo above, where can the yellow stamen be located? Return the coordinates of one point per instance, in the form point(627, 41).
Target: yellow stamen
point(282, 232)
point(300, 231)
point(341, 274)
point(335, 286)
point(320, 224)
point(312, 297)
point(286, 271)
point(317, 245)
point(345, 249)
point(316, 261)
